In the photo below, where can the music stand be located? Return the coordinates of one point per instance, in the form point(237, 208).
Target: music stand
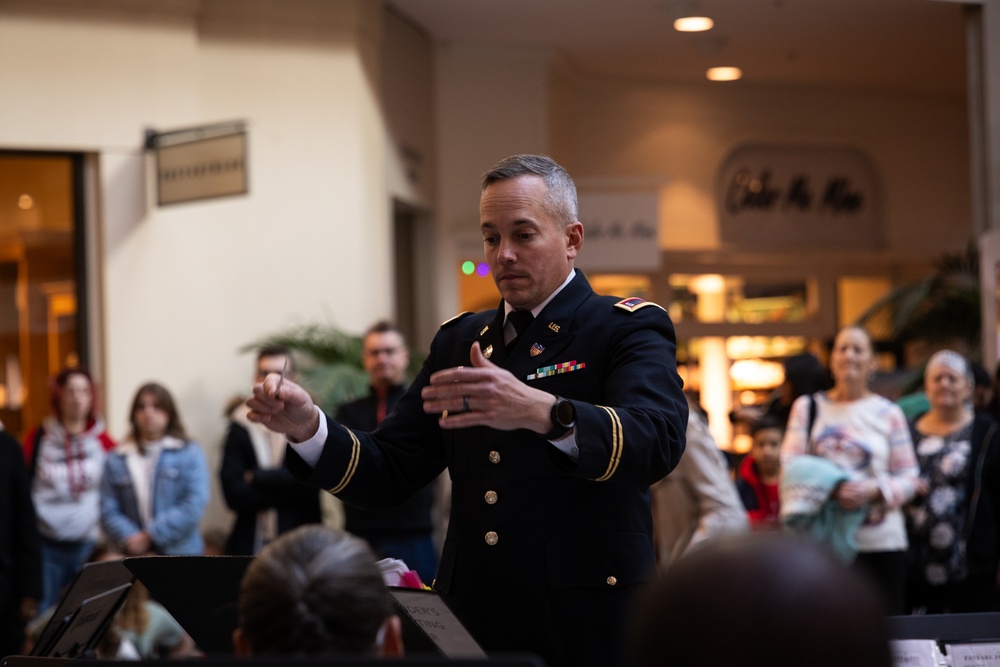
point(429, 626)
point(88, 624)
point(200, 592)
point(947, 628)
point(92, 580)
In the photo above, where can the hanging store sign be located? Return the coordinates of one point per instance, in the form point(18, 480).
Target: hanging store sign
point(199, 163)
point(781, 197)
point(620, 231)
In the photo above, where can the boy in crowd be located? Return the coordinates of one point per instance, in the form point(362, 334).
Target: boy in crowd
point(757, 478)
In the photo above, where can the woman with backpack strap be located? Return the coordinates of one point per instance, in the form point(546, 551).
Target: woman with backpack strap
point(867, 436)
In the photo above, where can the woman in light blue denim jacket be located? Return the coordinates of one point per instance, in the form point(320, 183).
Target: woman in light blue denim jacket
point(155, 484)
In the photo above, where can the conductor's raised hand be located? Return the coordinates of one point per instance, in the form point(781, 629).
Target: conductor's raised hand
point(486, 395)
point(284, 407)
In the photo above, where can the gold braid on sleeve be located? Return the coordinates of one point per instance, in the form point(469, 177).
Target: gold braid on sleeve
point(352, 465)
point(617, 443)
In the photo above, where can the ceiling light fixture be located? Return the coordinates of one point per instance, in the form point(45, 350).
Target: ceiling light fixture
point(724, 74)
point(693, 24)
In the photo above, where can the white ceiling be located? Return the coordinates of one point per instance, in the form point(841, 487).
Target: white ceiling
point(899, 45)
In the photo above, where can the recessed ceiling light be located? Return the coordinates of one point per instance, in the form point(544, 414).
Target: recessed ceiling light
point(693, 24)
point(25, 201)
point(724, 74)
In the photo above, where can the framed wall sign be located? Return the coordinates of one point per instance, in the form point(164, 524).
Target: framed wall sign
point(200, 163)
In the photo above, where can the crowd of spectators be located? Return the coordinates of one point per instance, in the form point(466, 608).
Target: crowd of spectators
point(922, 490)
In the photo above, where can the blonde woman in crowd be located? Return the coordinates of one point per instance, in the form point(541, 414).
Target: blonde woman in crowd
point(867, 437)
point(155, 485)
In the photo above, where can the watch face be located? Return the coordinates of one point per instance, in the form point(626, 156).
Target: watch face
point(566, 413)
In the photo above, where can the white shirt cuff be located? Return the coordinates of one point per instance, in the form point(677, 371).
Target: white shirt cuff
point(311, 449)
point(567, 445)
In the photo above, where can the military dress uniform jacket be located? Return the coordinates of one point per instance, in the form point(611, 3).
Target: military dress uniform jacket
point(542, 554)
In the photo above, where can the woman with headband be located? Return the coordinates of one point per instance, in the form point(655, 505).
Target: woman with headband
point(953, 522)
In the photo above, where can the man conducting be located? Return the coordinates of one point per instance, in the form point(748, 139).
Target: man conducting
point(553, 415)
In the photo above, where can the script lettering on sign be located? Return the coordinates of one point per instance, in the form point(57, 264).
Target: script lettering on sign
point(788, 197)
point(620, 231)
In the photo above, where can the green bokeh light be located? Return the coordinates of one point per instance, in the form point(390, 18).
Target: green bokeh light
point(468, 268)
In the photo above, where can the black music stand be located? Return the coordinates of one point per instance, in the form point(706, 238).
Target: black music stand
point(93, 580)
point(947, 628)
point(88, 624)
point(200, 592)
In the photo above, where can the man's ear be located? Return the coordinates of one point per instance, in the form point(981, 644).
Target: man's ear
point(391, 632)
point(574, 239)
point(241, 645)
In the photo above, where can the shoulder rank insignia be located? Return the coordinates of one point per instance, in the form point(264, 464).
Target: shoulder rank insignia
point(634, 303)
point(451, 321)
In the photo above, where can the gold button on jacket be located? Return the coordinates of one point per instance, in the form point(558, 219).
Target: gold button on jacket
point(490, 497)
point(492, 538)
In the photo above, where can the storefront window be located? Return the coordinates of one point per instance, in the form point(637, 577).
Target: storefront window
point(746, 301)
point(39, 329)
point(754, 372)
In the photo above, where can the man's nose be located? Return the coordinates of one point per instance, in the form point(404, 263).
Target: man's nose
point(505, 252)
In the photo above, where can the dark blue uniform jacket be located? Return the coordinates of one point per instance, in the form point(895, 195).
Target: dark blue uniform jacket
point(543, 553)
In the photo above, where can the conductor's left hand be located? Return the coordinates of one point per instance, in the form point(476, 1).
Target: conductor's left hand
point(486, 395)
point(290, 411)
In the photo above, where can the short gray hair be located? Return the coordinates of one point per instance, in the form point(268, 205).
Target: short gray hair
point(560, 200)
point(954, 361)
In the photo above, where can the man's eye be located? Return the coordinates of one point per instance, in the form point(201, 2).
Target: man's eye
point(489, 240)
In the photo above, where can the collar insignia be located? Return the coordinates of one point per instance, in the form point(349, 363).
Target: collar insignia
point(554, 327)
point(484, 330)
point(488, 352)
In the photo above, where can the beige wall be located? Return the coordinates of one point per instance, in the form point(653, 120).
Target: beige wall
point(408, 87)
point(675, 138)
point(491, 103)
point(183, 287)
point(681, 135)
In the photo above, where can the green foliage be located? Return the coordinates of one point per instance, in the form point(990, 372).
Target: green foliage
point(941, 308)
point(328, 362)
